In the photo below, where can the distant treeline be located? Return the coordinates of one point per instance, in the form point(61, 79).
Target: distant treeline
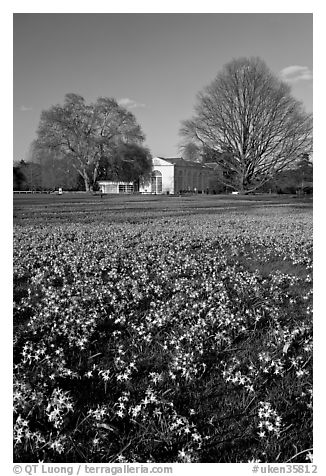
point(50, 175)
point(298, 179)
point(50, 170)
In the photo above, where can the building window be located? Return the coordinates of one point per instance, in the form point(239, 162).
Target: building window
point(156, 181)
point(188, 180)
point(179, 184)
point(109, 187)
point(126, 188)
point(195, 180)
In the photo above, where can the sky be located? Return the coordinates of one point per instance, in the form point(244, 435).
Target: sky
point(153, 64)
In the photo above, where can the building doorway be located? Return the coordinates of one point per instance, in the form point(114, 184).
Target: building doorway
point(156, 182)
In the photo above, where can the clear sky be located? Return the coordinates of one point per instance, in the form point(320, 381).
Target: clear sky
point(155, 64)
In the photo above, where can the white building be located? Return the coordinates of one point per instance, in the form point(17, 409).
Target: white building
point(170, 175)
point(116, 187)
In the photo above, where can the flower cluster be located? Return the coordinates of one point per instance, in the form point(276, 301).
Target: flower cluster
point(165, 339)
point(269, 420)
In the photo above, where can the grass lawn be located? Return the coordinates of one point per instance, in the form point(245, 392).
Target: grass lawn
point(162, 329)
point(83, 207)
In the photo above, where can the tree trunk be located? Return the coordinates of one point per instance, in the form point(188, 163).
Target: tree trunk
point(88, 185)
point(95, 172)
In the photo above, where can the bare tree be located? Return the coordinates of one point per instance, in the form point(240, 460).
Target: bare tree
point(249, 116)
point(85, 134)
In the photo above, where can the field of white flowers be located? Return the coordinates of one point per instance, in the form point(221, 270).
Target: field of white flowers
point(181, 339)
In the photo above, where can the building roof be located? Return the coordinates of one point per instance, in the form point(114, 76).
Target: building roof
point(115, 182)
point(212, 165)
point(182, 162)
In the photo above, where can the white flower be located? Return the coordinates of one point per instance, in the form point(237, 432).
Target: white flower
point(309, 457)
point(182, 454)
